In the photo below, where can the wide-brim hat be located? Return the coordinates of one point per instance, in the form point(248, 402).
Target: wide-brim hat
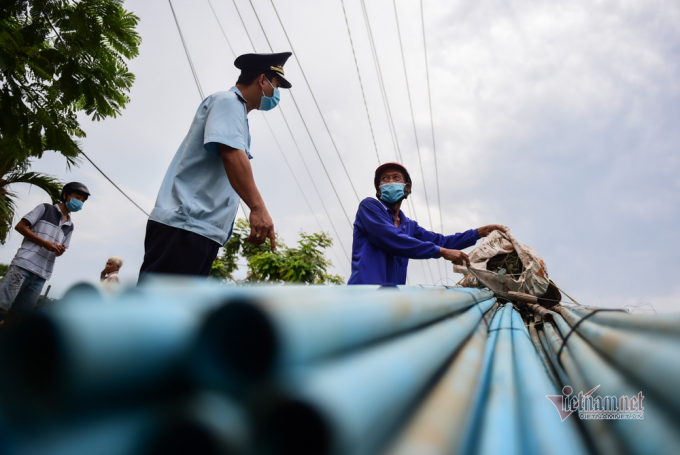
point(265, 62)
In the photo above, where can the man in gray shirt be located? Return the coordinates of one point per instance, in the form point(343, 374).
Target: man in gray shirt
point(47, 231)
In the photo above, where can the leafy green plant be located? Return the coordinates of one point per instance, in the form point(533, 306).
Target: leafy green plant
point(57, 58)
point(305, 263)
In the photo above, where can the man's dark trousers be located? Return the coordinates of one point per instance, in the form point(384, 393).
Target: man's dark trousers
point(170, 250)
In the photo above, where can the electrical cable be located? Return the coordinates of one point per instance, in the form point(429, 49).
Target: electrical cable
point(413, 118)
point(271, 49)
point(361, 84)
point(388, 112)
point(305, 197)
point(311, 92)
point(434, 145)
point(193, 70)
point(395, 145)
point(298, 150)
point(244, 24)
point(81, 152)
point(383, 92)
point(307, 129)
point(314, 184)
point(223, 32)
point(243, 208)
point(186, 51)
point(117, 187)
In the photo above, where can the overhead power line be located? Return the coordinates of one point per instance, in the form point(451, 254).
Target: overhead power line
point(386, 105)
point(413, 118)
point(434, 144)
point(81, 152)
point(307, 128)
point(186, 51)
point(305, 197)
point(117, 187)
point(361, 84)
point(297, 147)
point(297, 57)
point(381, 84)
point(413, 121)
point(243, 23)
point(223, 32)
point(309, 173)
point(388, 113)
point(193, 71)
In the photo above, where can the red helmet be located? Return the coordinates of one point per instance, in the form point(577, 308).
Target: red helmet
point(393, 165)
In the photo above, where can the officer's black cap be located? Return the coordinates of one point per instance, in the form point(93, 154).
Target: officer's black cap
point(265, 62)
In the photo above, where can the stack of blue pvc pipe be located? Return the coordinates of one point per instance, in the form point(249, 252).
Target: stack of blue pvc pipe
point(183, 366)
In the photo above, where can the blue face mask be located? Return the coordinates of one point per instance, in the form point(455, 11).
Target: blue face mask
point(74, 205)
point(392, 192)
point(267, 103)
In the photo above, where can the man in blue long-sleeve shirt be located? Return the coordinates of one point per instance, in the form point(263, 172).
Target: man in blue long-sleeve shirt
point(384, 239)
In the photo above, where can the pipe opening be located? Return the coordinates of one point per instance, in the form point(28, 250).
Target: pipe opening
point(296, 428)
point(241, 339)
point(32, 356)
point(183, 438)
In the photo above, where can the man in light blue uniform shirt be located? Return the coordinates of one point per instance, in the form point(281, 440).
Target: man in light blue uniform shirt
point(210, 173)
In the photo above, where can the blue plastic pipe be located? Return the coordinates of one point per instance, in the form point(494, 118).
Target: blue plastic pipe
point(660, 324)
point(500, 430)
point(542, 429)
point(347, 406)
point(639, 354)
point(655, 433)
point(438, 426)
point(204, 423)
point(601, 436)
point(82, 354)
point(256, 333)
point(543, 355)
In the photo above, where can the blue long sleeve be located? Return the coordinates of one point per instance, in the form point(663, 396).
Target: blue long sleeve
point(381, 232)
point(453, 242)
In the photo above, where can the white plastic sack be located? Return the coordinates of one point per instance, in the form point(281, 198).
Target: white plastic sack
point(534, 280)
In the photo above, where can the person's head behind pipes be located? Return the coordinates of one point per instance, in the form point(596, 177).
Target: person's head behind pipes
point(113, 264)
point(392, 182)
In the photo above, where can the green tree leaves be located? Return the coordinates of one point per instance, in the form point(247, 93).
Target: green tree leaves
point(304, 264)
point(57, 57)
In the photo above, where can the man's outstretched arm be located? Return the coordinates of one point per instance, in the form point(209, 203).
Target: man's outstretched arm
point(240, 174)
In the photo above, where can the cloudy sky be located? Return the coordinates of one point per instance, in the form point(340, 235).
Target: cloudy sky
point(557, 119)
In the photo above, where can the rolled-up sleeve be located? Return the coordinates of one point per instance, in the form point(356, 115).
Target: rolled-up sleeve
point(226, 124)
point(453, 242)
point(381, 232)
